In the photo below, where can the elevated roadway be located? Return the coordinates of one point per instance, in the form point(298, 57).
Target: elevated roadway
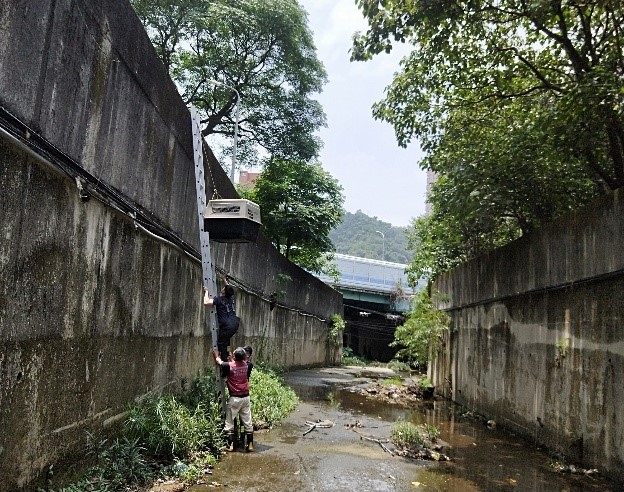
point(375, 295)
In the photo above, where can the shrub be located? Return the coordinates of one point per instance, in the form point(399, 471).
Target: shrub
point(407, 435)
point(271, 399)
point(336, 329)
point(349, 359)
point(421, 335)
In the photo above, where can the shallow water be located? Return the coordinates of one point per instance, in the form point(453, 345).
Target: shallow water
point(338, 459)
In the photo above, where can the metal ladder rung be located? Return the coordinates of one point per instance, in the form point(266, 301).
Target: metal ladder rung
point(208, 265)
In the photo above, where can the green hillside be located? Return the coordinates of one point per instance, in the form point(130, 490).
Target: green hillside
point(357, 235)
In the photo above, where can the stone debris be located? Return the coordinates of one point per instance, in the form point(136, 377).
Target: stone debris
point(404, 394)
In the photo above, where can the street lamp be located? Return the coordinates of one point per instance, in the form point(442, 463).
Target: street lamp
point(236, 120)
point(383, 245)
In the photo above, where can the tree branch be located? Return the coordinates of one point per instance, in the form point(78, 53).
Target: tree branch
point(585, 23)
point(579, 64)
point(533, 69)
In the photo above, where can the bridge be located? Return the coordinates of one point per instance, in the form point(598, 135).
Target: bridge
point(375, 295)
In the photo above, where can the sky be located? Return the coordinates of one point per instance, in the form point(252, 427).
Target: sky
point(379, 178)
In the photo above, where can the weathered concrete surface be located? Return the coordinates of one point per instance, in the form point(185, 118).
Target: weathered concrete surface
point(537, 341)
point(84, 75)
point(294, 334)
point(94, 312)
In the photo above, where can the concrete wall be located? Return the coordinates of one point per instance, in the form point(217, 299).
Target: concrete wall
point(294, 333)
point(93, 310)
point(537, 338)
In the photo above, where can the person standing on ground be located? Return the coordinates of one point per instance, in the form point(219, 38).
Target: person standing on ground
point(237, 422)
point(227, 320)
point(249, 351)
point(237, 372)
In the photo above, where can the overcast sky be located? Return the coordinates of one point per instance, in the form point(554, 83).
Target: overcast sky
point(378, 177)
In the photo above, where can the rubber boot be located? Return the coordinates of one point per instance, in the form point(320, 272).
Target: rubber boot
point(230, 441)
point(249, 443)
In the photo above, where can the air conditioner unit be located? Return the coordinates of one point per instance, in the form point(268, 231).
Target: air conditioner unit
point(232, 220)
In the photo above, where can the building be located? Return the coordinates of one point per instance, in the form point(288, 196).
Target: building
point(247, 178)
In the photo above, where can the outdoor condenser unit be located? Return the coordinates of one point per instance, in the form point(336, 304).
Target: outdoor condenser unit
point(232, 221)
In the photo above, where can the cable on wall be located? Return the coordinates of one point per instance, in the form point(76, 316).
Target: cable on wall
point(89, 186)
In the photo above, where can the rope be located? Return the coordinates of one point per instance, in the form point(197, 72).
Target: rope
point(215, 191)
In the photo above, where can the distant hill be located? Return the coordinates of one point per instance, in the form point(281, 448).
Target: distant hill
point(357, 236)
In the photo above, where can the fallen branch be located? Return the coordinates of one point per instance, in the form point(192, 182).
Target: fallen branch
point(325, 424)
point(374, 439)
point(321, 423)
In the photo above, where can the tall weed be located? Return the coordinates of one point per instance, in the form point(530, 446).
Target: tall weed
point(271, 399)
point(167, 435)
point(170, 429)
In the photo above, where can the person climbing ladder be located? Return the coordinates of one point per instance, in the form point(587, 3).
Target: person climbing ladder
point(227, 320)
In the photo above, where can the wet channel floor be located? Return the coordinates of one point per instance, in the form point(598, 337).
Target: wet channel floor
point(337, 459)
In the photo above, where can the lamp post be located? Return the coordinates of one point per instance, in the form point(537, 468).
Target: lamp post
point(383, 245)
point(236, 120)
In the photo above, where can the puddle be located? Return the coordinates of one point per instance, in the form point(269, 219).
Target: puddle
point(337, 459)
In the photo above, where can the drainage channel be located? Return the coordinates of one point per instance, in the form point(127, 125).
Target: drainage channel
point(338, 459)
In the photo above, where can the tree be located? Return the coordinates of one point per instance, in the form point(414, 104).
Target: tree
point(517, 105)
point(169, 24)
point(421, 335)
point(300, 203)
point(357, 235)
point(262, 49)
point(468, 52)
point(501, 174)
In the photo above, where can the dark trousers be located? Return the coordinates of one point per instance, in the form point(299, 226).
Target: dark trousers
point(223, 340)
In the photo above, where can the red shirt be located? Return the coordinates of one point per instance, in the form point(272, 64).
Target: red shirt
point(237, 377)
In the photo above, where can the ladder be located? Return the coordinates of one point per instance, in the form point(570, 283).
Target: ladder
point(209, 279)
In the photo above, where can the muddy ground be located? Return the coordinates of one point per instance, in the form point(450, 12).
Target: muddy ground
point(334, 458)
point(346, 456)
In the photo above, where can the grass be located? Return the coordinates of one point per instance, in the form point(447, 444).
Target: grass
point(399, 366)
point(170, 429)
point(407, 435)
point(410, 436)
point(350, 359)
point(176, 436)
point(393, 381)
point(119, 465)
point(426, 383)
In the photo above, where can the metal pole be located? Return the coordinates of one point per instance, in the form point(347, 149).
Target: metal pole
point(236, 120)
point(383, 245)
